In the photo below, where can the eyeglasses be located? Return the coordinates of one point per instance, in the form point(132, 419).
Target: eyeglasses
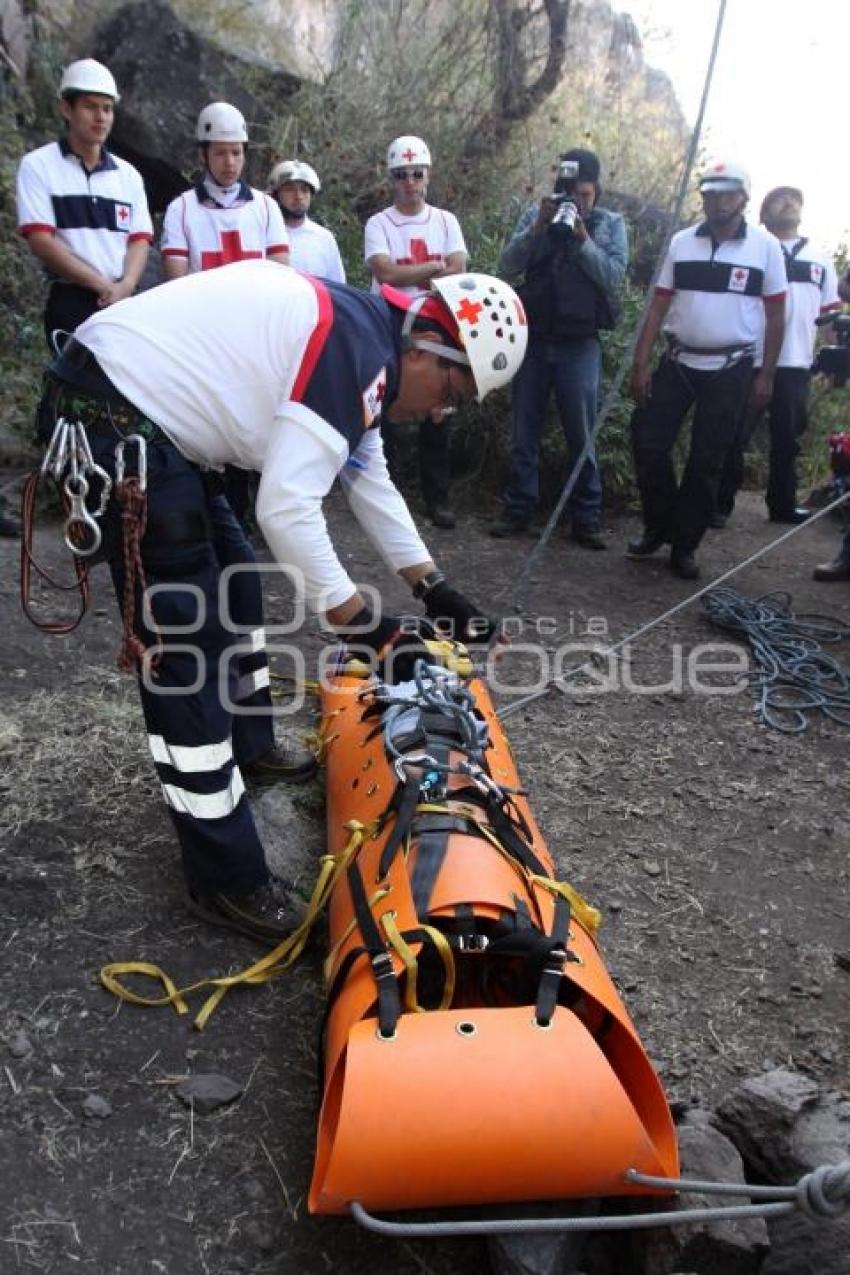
point(405, 174)
point(454, 398)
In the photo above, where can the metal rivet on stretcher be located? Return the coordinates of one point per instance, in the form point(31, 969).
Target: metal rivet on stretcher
point(541, 1027)
point(465, 1028)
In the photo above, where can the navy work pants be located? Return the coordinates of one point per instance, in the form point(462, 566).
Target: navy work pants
point(788, 419)
point(680, 512)
point(208, 707)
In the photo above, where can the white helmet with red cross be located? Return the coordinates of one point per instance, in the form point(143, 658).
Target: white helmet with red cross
point(490, 323)
point(722, 175)
point(407, 151)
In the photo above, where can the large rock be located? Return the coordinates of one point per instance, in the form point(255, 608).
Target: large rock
point(760, 1117)
point(166, 73)
point(785, 1127)
point(706, 1248)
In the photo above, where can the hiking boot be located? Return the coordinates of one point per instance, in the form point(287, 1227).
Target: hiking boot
point(442, 516)
point(266, 913)
point(793, 517)
point(287, 763)
point(717, 521)
point(645, 546)
point(589, 536)
point(506, 525)
point(838, 569)
point(684, 564)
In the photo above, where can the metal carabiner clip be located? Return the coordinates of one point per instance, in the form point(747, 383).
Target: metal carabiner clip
point(141, 464)
point(56, 455)
point(88, 465)
point(82, 534)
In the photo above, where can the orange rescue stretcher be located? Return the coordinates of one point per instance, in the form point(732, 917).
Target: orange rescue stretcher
point(475, 1048)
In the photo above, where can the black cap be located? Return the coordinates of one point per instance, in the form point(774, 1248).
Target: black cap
point(588, 163)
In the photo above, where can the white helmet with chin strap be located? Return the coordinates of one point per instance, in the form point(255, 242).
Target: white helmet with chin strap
point(405, 151)
point(221, 122)
point(293, 170)
point(491, 325)
point(88, 76)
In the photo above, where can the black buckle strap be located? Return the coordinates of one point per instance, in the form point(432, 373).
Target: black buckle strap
point(553, 967)
point(389, 1003)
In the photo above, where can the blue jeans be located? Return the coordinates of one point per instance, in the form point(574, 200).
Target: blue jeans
point(572, 369)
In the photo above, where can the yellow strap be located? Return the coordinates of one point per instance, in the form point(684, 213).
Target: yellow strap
point(411, 963)
point(268, 967)
point(408, 957)
point(589, 916)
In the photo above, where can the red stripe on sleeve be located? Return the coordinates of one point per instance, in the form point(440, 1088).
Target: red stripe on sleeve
point(773, 300)
point(319, 336)
point(36, 228)
point(276, 247)
point(140, 234)
point(827, 309)
point(665, 292)
point(176, 252)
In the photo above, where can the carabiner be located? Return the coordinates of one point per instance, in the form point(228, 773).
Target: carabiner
point(142, 462)
point(56, 455)
point(88, 465)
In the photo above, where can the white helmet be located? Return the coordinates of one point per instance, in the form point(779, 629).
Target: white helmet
point(722, 175)
point(490, 322)
point(407, 150)
point(221, 122)
point(88, 76)
point(293, 170)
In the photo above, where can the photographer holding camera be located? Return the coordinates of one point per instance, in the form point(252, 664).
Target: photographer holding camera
point(568, 258)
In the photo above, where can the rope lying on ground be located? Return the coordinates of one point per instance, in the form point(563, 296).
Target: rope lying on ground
point(823, 1193)
point(793, 676)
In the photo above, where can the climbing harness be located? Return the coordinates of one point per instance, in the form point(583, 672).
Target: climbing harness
point(793, 676)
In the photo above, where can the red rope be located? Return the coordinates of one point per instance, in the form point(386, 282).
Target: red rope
point(29, 564)
point(134, 516)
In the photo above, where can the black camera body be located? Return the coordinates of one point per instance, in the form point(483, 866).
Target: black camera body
point(834, 360)
point(564, 196)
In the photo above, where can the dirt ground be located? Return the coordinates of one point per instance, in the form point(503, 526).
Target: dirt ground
point(717, 850)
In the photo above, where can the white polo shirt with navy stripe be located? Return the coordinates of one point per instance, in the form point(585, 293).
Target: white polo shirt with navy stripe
point(812, 291)
point(718, 290)
point(411, 240)
point(269, 369)
point(95, 213)
point(207, 233)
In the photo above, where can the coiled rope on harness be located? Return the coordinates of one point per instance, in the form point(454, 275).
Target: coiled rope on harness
point(793, 676)
point(822, 1193)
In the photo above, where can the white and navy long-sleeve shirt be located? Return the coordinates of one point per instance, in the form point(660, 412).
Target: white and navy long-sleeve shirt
point(95, 213)
point(266, 368)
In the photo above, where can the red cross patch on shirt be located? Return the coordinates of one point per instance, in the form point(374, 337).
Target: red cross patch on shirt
point(232, 250)
point(738, 279)
point(122, 216)
point(373, 398)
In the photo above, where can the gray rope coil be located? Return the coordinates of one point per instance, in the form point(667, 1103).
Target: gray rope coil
point(793, 676)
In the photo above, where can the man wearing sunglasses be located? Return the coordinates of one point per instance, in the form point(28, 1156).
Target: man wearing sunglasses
point(289, 375)
point(408, 245)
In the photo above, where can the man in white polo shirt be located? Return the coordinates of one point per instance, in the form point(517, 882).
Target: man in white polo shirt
point(407, 245)
point(81, 209)
point(721, 284)
point(312, 248)
point(812, 292)
point(221, 219)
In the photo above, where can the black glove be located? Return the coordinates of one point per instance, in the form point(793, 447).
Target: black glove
point(454, 613)
point(397, 641)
